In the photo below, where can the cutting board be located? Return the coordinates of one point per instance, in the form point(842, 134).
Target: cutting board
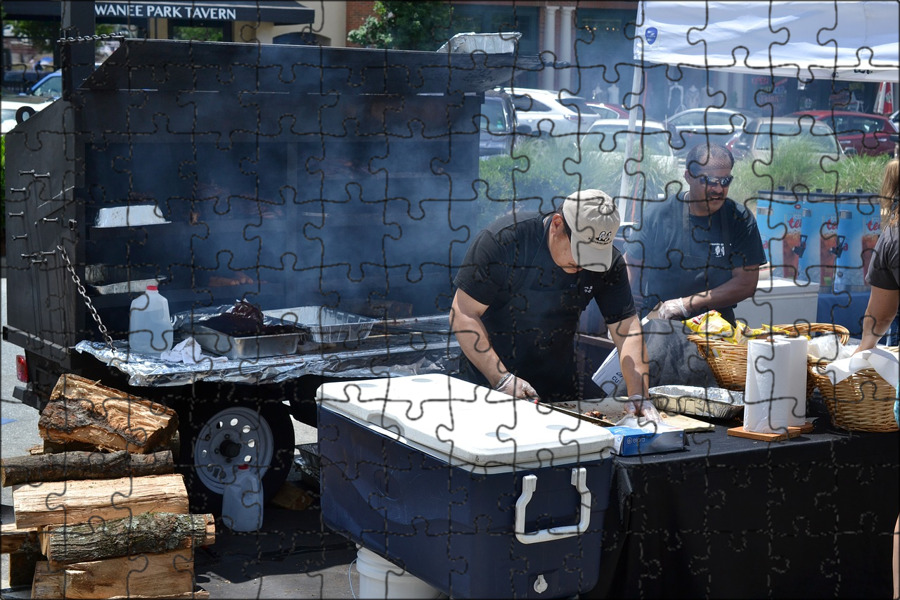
point(612, 410)
point(689, 424)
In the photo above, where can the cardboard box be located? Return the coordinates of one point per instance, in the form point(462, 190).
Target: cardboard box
point(650, 439)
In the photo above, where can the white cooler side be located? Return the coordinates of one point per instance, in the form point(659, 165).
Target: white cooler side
point(779, 301)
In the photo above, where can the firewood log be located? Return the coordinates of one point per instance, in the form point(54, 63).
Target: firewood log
point(71, 502)
point(147, 533)
point(165, 575)
point(83, 465)
point(81, 410)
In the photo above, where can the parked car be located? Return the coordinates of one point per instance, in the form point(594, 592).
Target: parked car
point(19, 108)
point(545, 112)
point(763, 136)
point(49, 86)
point(692, 126)
point(857, 133)
point(608, 111)
point(18, 79)
point(649, 145)
point(649, 139)
point(496, 124)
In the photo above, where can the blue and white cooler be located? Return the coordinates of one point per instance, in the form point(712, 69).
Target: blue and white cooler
point(473, 492)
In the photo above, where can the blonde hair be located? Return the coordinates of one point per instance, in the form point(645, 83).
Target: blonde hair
point(890, 193)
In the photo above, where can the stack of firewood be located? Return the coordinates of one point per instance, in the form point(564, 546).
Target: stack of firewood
point(102, 513)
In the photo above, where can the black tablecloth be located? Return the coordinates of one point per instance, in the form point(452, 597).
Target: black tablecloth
point(732, 517)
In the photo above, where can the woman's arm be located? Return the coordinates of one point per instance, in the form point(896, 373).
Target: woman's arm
point(879, 314)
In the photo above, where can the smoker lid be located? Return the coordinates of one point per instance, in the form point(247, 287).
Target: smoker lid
point(178, 65)
point(465, 424)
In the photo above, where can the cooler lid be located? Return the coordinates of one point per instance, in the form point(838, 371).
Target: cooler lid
point(466, 424)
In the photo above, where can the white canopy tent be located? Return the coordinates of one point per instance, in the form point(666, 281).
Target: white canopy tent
point(808, 40)
point(832, 40)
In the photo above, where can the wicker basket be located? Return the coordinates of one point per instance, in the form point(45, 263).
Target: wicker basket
point(862, 402)
point(728, 361)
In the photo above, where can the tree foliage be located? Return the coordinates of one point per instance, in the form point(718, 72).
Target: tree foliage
point(405, 26)
point(42, 34)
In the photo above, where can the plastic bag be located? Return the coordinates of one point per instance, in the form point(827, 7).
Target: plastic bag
point(608, 375)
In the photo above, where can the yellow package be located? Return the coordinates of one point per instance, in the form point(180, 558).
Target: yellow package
point(711, 324)
point(765, 331)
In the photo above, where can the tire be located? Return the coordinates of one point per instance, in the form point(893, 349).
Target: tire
point(24, 113)
point(215, 439)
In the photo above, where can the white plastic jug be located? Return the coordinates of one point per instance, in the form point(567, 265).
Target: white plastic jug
point(242, 501)
point(150, 327)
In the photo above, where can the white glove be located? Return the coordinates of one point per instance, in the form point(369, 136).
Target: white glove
point(673, 309)
point(517, 387)
point(643, 408)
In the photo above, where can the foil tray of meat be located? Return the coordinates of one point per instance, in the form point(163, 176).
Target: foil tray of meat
point(326, 325)
point(244, 332)
point(717, 403)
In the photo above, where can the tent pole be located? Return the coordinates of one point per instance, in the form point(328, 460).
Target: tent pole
point(624, 187)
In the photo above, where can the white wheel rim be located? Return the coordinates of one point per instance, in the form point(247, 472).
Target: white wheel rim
point(232, 437)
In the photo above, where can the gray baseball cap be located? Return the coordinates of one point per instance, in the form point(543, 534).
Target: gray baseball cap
point(594, 220)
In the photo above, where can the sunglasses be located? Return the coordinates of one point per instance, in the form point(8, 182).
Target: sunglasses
point(723, 181)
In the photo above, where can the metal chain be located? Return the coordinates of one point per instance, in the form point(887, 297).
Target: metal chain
point(87, 300)
point(120, 36)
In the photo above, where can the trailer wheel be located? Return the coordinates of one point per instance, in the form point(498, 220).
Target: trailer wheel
point(216, 440)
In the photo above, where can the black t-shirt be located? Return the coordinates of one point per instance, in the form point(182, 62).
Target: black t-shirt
point(533, 305)
point(683, 254)
point(884, 270)
point(504, 254)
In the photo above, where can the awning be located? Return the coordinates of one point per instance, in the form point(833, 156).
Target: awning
point(116, 11)
point(822, 40)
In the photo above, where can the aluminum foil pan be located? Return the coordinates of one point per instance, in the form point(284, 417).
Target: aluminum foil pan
point(246, 346)
point(326, 325)
point(711, 402)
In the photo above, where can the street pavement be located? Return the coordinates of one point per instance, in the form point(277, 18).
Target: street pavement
point(293, 556)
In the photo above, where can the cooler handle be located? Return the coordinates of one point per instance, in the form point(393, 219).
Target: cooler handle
point(529, 483)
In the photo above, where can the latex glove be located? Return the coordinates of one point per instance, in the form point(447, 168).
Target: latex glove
point(643, 408)
point(673, 309)
point(518, 388)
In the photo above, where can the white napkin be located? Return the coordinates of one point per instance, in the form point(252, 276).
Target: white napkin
point(829, 347)
point(885, 363)
point(188, 352)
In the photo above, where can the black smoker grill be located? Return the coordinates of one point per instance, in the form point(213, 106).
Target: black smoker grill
point(283, 175)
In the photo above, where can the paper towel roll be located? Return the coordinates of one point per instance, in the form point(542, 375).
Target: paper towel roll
point(766, 407)
point(795, 387)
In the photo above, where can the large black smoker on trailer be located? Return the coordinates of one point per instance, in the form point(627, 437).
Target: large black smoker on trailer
point(287, 176)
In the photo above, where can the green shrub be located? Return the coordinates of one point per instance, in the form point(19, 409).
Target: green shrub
point(543, 172)
point(801, 170)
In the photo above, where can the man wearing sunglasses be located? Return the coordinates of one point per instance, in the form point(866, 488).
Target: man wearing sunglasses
point(699, 250)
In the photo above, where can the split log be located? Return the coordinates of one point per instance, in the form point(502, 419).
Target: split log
point(81, 410)
point(24, 551)
point(55, 503)
point(49, 447)
point(148, 533)
point(13, 539)
point(83, 465)
point(165, 575)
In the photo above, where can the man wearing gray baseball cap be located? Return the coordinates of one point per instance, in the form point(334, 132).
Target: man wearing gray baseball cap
point(522, 288)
